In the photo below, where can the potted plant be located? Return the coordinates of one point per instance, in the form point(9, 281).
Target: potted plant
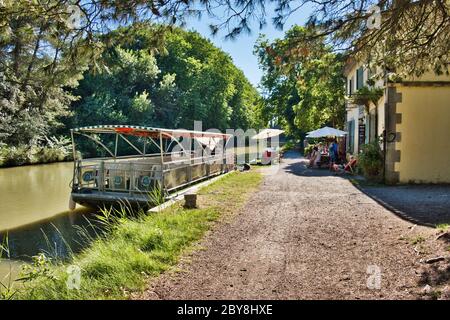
point(370, 160)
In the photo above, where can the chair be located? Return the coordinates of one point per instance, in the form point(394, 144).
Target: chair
point(351, 165)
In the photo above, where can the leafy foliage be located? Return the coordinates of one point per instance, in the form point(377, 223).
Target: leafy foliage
point(189, 80)
point(411, 34)
point(41, 56)
point(371, 159)
point(147, 75)
point(49, 150)
point(303, 87)
point(366, 95)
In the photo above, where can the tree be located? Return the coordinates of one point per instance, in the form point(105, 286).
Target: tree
point(303, 87)
point(187, 79)
point(414, 32)
point(41, 55)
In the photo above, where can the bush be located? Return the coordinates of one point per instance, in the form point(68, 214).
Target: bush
point(371, 160)
point(16, 156)
point(289, 145)
point(308, 149)
point(54, 149)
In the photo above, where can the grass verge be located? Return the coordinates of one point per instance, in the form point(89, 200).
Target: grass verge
point(136, 249)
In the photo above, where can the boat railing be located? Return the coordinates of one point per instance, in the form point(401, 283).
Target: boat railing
point(132, 174)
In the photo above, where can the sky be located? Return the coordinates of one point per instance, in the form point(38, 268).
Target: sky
point(241, 49)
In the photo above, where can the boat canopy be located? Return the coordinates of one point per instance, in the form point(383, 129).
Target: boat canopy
point(141, 131)
point(206, 139)
point(127, 178)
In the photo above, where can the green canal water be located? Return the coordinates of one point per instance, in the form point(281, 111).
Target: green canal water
point(34, 214)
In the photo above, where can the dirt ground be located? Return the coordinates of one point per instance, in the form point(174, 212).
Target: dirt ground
point(308, 234)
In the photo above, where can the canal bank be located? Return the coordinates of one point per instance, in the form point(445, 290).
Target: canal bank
point(34, 213)
point(133, 250)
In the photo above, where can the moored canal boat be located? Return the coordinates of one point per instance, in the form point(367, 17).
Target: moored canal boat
point(162, 159)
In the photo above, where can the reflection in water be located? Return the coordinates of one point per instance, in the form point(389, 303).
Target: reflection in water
point(33, 208)
point(33, 193)
point(56, 237)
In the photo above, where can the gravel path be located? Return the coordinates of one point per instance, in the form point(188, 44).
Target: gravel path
point(424, 204)
point(305, 234)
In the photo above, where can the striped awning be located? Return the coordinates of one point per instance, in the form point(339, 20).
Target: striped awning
point(141, 131)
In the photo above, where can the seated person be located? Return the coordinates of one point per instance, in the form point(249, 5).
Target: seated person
point(349, 167)
point(315, 157)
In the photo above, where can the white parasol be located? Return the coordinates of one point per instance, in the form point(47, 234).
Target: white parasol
point(267, 133)
point(326, 132)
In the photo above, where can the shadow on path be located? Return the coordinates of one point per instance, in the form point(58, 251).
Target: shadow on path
point(427, 205)
point(421, 204)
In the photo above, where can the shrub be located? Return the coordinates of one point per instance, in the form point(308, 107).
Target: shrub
point(308, 149)
point(289, 145)
point(55, 149)
point(52, 150)
point(17, 156)
point(2, 153)
point(371, 160)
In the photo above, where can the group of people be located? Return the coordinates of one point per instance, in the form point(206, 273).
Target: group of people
point(319, 150)
point(336, 161)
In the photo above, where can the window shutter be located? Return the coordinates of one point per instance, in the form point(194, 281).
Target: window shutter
point(359, 78)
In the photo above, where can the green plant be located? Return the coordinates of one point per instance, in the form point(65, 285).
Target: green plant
point(366, 95)
point(308, 149)
point(156, 196)
point(41, 266)
point(54, 149)
point(370, 160)
point(289, 145)
point(17, 156)
point(7, 290)
point(51, 149)
point(417, 240)
point(134, 248)
point(443, 227)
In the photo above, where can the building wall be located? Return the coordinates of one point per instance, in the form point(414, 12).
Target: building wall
point(380, 107)
point(424, 141)
point(353, 110)
point(415, 115)
point(353, 114)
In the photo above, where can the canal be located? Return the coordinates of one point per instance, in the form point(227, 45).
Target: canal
point(34, 215)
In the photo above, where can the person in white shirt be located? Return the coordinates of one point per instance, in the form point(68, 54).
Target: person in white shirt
point(315, 157)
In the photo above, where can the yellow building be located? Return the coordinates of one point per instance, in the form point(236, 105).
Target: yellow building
point(413, 118)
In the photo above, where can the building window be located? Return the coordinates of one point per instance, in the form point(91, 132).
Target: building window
point(359, 78)
point(350, 87)
point(351, 136)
